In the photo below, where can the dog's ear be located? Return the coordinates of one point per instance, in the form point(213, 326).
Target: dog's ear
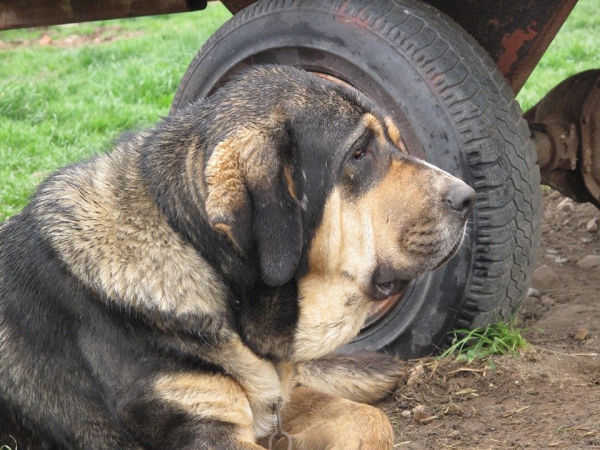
point(251, 197)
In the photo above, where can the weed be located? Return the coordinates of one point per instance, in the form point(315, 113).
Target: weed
point(6, 447)
point(496, 339)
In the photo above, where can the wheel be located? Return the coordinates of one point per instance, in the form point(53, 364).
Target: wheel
point(453, 108)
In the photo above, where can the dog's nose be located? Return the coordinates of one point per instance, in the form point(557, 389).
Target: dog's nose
point(460, 198)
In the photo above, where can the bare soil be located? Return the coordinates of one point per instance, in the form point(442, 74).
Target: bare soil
point(546, 398)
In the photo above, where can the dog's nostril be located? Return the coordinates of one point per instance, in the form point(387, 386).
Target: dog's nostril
point(460, 199)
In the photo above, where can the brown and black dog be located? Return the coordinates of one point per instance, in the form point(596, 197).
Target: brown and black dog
point(169, 293)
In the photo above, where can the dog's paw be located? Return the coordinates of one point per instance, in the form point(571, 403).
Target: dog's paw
point(263, 395)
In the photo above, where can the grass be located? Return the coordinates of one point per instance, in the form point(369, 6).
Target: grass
point(59, 104)
point(496, 339)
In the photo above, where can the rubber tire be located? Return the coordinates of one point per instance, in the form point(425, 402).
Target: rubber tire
point(454, 109)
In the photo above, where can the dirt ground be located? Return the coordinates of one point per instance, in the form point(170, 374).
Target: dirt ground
point(547, 398)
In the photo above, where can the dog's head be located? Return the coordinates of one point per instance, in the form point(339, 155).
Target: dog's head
point(317, 180)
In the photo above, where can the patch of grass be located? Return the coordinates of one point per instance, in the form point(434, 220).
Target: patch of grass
point(496, 339)
point(60, 104)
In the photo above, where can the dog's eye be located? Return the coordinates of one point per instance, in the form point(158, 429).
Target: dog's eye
point(359, 154)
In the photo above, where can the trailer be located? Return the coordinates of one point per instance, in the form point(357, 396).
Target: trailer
point(447, 72)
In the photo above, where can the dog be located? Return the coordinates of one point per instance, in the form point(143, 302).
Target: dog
point(172, 292)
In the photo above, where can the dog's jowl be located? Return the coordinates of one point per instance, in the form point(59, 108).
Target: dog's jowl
point(169, 293)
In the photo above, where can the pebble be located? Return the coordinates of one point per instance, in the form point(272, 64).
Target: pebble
point(581, 334)
point(406, 413)
point(533, 293)
point(592, 225)
point(547, 301)
point(420, 413)
point(545, 279)
point(566, 205)
point(589, 262)
point(555, 194)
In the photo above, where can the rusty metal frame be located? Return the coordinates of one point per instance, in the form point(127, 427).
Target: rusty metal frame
point(565, 126)
point(515, 33)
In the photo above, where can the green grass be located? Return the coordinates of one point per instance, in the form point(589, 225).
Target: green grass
point(497, 339)
point(61, 104)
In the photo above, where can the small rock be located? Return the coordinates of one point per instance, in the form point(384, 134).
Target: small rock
point(589, 262)
point(533, 293)
point(406, 413)
point(566, 205)
point(592, 225)
point(420, 413)
point(555, 194)
point(567, 221)
point(581, 334)
point(548, 302)
point(545, 279)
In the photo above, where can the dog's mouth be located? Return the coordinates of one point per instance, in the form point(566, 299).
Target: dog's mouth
point(385, 290)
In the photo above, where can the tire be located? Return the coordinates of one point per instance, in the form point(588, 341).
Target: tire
point(453, 108)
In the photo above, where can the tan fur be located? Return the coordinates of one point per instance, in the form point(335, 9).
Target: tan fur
point(354, 385)
point(375, 126)
point(327, 321)
point(225, 183)
point(213, 397)
point(243, 161)
point(354, 237)
point(290, 183)
point(319, 421)
point(394, 134)
point(258, 378)
point(117, 242)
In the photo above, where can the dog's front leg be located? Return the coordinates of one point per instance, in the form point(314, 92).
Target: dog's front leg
point(194, 409)
point(258, 378)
